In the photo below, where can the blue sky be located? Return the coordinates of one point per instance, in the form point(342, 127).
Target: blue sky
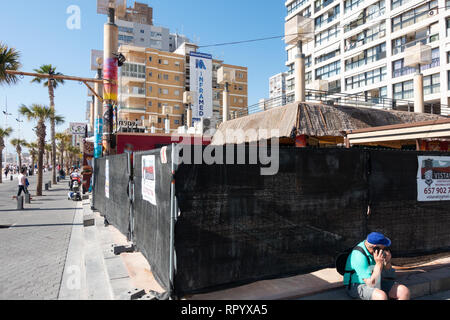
point(38, 30)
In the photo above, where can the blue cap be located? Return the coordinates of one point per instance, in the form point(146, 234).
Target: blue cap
point(376, 238)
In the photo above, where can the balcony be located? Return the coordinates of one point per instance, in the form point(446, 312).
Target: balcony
point(133, 92)
point(132, 108)
point(412, 43)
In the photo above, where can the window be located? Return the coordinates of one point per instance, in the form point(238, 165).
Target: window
point(431, 84)
point(142, 31)
point(150, 89)
point(366, 78)
point(326, 35)
point(366, 36)
point(368, 14)
point(165, 76)
point(150, 74)
point(176, 121)
point(294, 5)
point(327, 17)
point(177, 78)
point(367, 56)
point(176, 92)
point(413, 16)
point(398, 3)
point(327, 56)
point(150, 103)
point(349, 5)
point(133, 70)
point(328, 70)
point(404, 90)
point(150, 59)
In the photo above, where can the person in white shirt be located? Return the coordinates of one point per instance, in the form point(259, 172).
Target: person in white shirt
point(22, 182)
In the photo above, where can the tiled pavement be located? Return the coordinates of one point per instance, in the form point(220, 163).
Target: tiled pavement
point(33, 250)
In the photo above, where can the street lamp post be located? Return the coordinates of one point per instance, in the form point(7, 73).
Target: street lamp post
point(298, 31)
point(226, 76)
point(416, 56)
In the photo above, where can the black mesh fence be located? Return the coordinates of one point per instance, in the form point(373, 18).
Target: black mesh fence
point(235, 225)
point(99, 198)
point(152, 222)
point(414, 227)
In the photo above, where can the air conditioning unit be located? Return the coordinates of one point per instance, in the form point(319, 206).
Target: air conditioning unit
point(153, 120)
point(166, 110)
point(433, 12)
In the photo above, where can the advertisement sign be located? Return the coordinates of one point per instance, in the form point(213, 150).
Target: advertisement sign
point(201, 83)
point(107, 179)
point(149, 179)
point(433, 179)
point(78, 129)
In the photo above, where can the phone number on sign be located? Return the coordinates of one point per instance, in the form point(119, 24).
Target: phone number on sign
point(439, 190)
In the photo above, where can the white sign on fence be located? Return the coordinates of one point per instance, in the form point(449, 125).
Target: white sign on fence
point(433, 178)
point(107, 179)
point(149, 179)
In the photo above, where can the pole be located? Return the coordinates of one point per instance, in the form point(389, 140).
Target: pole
point(226, 93)
point(189, 116)
point(98, 118)
point(300, 74)
point(110, 73)
point(418, 92)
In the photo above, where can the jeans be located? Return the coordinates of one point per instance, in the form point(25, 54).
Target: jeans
point(22, 188)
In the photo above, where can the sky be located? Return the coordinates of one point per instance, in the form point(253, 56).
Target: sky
point(38, 29)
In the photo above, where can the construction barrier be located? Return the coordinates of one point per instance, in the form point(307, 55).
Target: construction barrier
point(204, 227)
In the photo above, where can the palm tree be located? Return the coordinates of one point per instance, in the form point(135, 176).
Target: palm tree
point(40, 114)
point(48, 153)
point(4, 133)
point(51, 84)
point(33, 149)
point(9, 60)
point(74, 152)
point(18, 144)
point(64, 140)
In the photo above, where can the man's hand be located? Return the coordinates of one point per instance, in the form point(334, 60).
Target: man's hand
point(379, 257)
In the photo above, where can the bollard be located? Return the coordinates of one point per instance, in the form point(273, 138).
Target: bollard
point(27, 198)
point(57, 179)
point(20, 203)
point(46, 187)
point(11, 178)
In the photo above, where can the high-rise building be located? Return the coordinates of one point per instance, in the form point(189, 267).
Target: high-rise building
point(136, 29)
point(152, 83)
point(277, 91)
point(359, 47)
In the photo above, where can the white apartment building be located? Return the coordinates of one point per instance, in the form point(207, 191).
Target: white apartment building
point(277, 91)
point(148, 36)
point(359, 48)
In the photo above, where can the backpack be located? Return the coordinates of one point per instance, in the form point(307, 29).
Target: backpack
point(341, 260)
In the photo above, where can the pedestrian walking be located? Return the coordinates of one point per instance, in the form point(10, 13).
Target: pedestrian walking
point(22, 183)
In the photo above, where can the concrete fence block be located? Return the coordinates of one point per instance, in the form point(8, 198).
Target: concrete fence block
point(123, 249)
point(133, 294)
point(89, 220)
point(46, 187)
point(20, 203)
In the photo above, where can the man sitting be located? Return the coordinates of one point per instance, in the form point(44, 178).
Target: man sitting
point(372, 276)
